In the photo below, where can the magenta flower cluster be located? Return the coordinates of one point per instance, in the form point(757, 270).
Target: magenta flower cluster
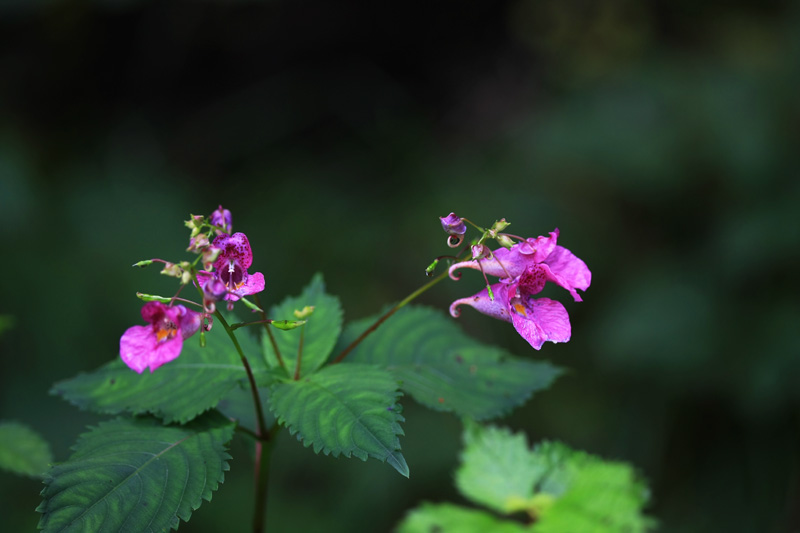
point(523, 269)
point(227, 260)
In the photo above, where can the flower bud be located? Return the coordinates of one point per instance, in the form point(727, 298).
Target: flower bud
point(173, 270)
point(194, 223)
point(499, 226)
point(453, 224)
point(505, 241)
point(198, 243)
point(221, 218)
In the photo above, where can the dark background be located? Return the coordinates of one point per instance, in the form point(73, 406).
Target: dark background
point(661, 138)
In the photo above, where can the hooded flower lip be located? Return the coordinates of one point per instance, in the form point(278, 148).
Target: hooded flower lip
point(235, 257)
point(161, 340)
point(537, 320)
point(560, 265)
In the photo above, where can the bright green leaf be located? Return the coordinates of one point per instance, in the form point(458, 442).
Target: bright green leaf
point(22, 450)
point(319, 333)
point(178, 391)
point(498, 469)
point(347, 409)
point(136, 475)
point(449, 518)
point(444, 369)
point(601, 496)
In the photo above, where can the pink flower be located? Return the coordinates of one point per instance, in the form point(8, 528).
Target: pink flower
point(523, 271)
point(162, 340)
point(537, 320)
point(231, 265)
point(559, 264)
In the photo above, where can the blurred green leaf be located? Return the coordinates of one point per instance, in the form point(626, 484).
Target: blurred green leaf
point(600, 496)
point(22, 450)
point(444, 369)
point(178, 391)
point(348, 409)
point(498, 469)
point(319, 333)
point(6, 323)
point(136, 475)
point(449, 518)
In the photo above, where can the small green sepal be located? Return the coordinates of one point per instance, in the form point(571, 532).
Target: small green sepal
point(153, 298)
point(287, 324)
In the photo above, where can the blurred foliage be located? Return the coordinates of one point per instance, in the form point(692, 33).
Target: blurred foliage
point(661, 138)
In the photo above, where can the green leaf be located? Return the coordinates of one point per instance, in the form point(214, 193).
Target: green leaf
point(498, 469)
point(449, 518)
point(444, 369)
point(589, 493)
point(319, 333)
point(136, 475)
point(22, 450)
point(238, 404)
point(178, 391)
point(347, 409)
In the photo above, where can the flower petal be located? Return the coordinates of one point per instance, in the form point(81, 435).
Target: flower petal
point(497, 308)
point(540, 320)
point(234, 247)
point(135, 346)
point(568, 271)
point(165, 352)
point(254, 283)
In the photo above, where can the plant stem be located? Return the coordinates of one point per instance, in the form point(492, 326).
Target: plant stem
point(261, 430)
point(269, 333)
point(262, 433)
point(263, 453)
point(299, 352)
point(386, 315)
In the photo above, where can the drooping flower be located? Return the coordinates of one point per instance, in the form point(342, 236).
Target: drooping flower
point(559, 265)
point(537, 320)
point(161, 340)
point(231, 265)
point(524, 269)
point(222, 218)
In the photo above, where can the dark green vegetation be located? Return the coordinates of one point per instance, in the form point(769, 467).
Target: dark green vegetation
point(659, 138)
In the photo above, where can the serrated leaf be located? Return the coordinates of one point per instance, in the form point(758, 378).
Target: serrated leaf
point(498, 469)
point(444, 369)
point(136, 475)
point(319, 333)
point(346, 409)
point(600, 496)
point(449, 518)
point(22, 450)
point(176, 392)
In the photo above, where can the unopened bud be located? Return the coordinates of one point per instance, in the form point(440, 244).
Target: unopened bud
point(505, 241)
point(194, 223)
point(198, 243)
point(499, 226)
point(173, 270)
point(453, 224)
point(221, 218)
